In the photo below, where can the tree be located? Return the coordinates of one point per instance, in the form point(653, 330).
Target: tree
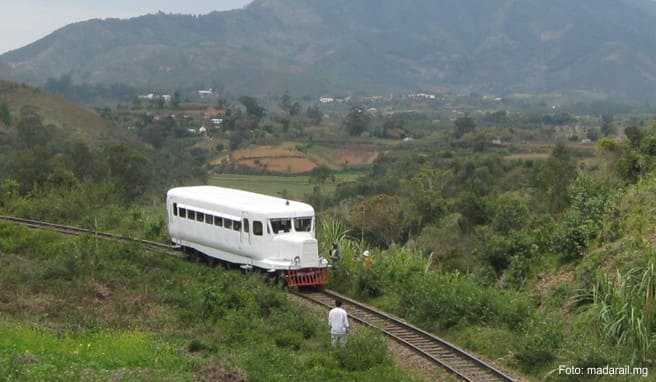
point(634, 134)
point(554, 177)
point(82, 161)
point(286, 102)
point(592, 134)
point(313, 113)
point(5, 114)
point(129, 168)
point(379, 218)
point(253, 108)
point(31, 132)
point(607, 127)
point(176, 100)
point(295, 109)
point(320, 175)
point(464, 125)
point(357, 121)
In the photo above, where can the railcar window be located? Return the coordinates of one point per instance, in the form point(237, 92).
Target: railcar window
point(175, 209)
point(209, 219)
point(227, 223)
point(200, 216)
point(303, 224)
point(236, 226)
point(218, 221)
point(257, 228)
point(182, 212)
point(281, 225)
point(246, 226)
point(191, 215)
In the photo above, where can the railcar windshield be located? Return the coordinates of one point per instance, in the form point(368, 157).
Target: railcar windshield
point(281, 225)
point(303, 224)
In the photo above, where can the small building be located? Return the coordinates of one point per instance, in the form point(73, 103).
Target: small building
point(326, 100)
point(206, 93)
point(216, 121)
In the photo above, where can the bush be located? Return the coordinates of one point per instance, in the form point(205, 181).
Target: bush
point(540, 343)
point(198, 345)
point(364, 351)
point(288, 339)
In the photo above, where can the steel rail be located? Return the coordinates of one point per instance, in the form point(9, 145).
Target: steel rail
point(76, 231)
point(453, 359)
point(446, 355)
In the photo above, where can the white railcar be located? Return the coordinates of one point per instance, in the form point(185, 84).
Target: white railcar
point(248, 229)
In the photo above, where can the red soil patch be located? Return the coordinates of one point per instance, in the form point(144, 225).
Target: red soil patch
point(274, 159)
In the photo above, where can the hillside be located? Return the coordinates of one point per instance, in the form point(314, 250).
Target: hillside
point(314, 47)
point(85, 124)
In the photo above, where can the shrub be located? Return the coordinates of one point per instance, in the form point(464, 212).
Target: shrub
point(364, 351)
point(197, 345)
point(540, 342)
point(288, 339)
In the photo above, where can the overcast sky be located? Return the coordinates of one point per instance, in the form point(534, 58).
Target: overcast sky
point(25, 21)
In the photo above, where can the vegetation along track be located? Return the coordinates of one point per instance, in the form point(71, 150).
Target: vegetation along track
point(75, 231)
point(444, 354)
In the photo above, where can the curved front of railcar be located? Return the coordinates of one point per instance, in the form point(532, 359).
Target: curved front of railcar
point(296, 244)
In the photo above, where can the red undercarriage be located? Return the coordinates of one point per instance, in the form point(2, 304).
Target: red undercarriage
point(307, 277)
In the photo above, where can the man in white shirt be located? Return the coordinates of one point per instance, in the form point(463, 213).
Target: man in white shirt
point(339, 324)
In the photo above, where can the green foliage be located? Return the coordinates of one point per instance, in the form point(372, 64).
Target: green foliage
point(590, 201)
point(541, 340)
point(626, 307)
point(554, 178)
point(5, 114)
point(253, 108)
point(120, 311)
point(31, 353)
point(460, 302)
point(510, 212)
point(464, 125)
point(364, 351)
point(357, 121)
point(31, 132)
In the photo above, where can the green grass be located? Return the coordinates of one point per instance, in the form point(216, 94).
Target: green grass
point(30, 352)
point(295, 187)
point(85, 309)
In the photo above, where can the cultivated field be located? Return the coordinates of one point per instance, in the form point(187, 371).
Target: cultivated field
point(287, 158)
point(290, 186)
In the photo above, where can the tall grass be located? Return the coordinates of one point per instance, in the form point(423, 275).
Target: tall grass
point(625, 309)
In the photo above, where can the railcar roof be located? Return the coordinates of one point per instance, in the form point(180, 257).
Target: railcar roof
point(241, 200)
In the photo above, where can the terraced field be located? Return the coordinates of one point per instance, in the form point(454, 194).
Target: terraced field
point(295, 187)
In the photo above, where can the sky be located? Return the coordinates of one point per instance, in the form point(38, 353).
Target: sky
point(25, 21)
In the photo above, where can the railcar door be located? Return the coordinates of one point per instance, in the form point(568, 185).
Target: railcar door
point(246, 229)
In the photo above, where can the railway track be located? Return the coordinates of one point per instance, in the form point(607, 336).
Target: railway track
point(76, 231)
point(451, 358)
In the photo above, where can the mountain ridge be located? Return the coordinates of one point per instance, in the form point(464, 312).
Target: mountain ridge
point(313, 47)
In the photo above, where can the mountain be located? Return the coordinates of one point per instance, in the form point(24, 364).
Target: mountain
point(316, 46)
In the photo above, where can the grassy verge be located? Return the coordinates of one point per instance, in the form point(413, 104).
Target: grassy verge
point(81, 309)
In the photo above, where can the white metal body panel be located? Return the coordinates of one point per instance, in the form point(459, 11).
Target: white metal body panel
point(269, 251)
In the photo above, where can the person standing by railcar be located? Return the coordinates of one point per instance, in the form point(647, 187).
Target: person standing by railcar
point(339, 325)
point(335, 254)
